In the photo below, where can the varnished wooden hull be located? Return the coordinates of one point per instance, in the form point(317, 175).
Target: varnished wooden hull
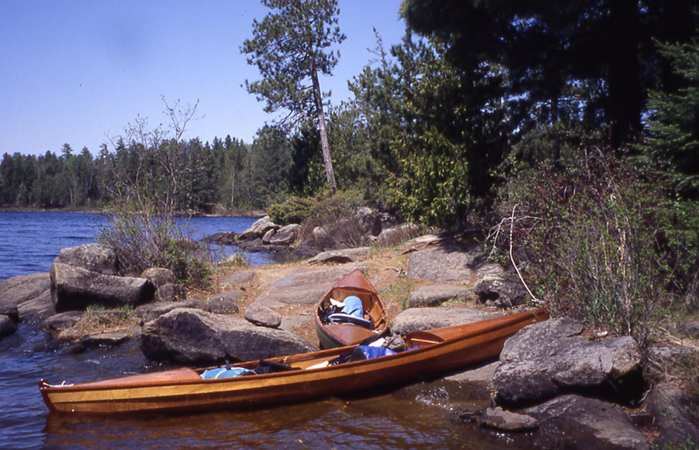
point(472, 344)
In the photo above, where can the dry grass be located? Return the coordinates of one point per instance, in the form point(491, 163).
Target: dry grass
point(97, 320)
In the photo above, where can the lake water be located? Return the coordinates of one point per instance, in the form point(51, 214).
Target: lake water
point(30, 240)
point(28, 243)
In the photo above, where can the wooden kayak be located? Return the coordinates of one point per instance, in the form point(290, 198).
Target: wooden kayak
point(429, 354)
point(341, 334)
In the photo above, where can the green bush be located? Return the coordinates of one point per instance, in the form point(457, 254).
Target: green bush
point(291, 210)
point(599, 240)
point(336, 215)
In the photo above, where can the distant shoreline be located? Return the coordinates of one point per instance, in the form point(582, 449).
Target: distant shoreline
point(230, 213)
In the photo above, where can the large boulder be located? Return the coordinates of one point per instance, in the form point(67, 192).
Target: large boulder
point(502, 291)
point(418, 319)
point(166, 287)
point(192, 336)
point(550, 358)
point(27, 295)
point(340, 256)
point(258, 229)
point(499, 419)
point(285, 235)
point(436, 294)
point(370, 220)
point(93, 257)
point(575, 422)
point(61, 322)
point(676, 414)
point(74, 287)
point(223, 303)
point(446, 262)
point(397, 234)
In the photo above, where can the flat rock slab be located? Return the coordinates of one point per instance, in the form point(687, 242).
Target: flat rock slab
point(238, 278)
point(262, 316)
point(444, 263)
point(220, 304)
point(436, 294)
point(482, 374)
point(549, 358)
point(418, 319)
point(340, 256)
point(304, 286)
point(576, 422)
point(193, 336)
point(57, 323)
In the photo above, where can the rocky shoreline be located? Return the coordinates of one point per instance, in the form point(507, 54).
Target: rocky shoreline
point(555, 384)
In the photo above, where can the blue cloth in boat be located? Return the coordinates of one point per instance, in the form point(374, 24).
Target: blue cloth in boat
point(352, 306)
point(220, 373)
point(370, 352)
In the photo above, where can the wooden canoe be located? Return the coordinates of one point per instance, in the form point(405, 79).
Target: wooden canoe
point(431, 353)
point(341, 334)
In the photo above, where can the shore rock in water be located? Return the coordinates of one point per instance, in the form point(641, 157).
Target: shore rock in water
point(549, 358)
point(501, 291)
point(29, 295)
point(222, 238)
point(192, 336)
point(575, 422)
point(499, 419)
point(76, 288)
point(7, 326)
point(436, 294)
point(340, 256)
point(93, 257)
point(258, 229)
point(10, 311)
point(285, 235)
point(676, 415)
point(445, 262)
point(268, 236)
point(262, 316)
point(416, 319)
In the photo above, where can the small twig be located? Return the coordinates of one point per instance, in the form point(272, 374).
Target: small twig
point(512, 259)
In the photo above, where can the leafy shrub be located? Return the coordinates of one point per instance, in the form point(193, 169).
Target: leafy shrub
point(291, 210)
point(147, 238)
point(598, 239)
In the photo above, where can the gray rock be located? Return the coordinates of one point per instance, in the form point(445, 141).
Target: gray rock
point(482, 374)
point(93, 257)
point(193, 336)
point(223, 303)
point(159, 276)
point(106, 339)
point(28, 295)
point(61, 321)
point(73, 287)
point(548, 358)
point(444, 263)
point(258, 229)
point(502, 291)
point(170, 292)
point(436, 294)
point(319, 234)
point(397, 234)
point(303, 286)
point(369, 220)
point(575, 422)
point(340, 256)
point(286, 235)
point(499, 419)
point(7, 326)
point(223, 238)
point(675, 415)
point(263, 316)
point(417, 319)
point(268, 236)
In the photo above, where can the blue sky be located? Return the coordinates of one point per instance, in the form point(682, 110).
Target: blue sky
point(78, 71)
